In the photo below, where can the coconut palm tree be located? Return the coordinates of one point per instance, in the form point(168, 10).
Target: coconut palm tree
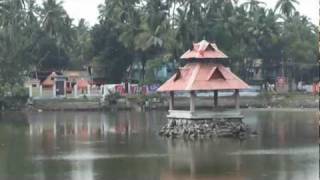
point(286, 7)
point(32, 12)
point(11, 11)
point(152, 32)
point(253, 5)
point(55, 19)
point(57, 24)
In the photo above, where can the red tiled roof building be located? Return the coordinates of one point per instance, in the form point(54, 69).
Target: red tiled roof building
point(203, 72)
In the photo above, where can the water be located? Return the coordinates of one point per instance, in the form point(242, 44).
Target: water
point(125, 145)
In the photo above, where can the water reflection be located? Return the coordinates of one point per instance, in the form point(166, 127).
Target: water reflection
point(284, 149)
point(86, 127)
point(203, 160)
point(46, 131)
point(81, 140)
point(78, 125)
point(125, 145)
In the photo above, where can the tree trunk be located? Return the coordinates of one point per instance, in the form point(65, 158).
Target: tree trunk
point(143, 71)
point(173, 13)
point(288, 72)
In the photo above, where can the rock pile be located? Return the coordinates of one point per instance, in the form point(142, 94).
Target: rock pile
point(204, 129)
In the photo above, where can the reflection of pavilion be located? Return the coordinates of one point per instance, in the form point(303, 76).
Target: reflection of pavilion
point(201, 161)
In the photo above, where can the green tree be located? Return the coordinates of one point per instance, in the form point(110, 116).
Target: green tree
point(253, 5)
point(153, 33)
point(110, 57)
point(57, 36)
point(16, 46)
point(81, 51)
point(149, 41)
point(286, 7)
point(300, 48)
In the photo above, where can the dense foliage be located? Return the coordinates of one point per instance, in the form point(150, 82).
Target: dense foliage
point(151, 33)
point(155, 32)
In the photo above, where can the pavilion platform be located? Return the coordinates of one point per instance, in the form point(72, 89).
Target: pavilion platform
point(226, 114)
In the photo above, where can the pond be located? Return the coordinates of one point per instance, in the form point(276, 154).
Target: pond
point(125, 145)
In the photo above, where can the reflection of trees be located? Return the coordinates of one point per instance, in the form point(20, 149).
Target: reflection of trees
point(85, 135)
point(283, 128)
point(13, 144)
point(121, 128)
point(79, 125)
point(79, 135)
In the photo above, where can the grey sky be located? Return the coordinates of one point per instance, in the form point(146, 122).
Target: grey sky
point(88, 9)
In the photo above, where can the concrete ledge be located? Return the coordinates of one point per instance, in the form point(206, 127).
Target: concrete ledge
point(201, 115)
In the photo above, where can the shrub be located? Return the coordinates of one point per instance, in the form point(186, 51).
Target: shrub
point(112, 97)
point(13, 96)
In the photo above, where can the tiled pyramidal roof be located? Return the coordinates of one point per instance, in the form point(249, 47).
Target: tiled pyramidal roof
point(204, 50)
point(203, 76)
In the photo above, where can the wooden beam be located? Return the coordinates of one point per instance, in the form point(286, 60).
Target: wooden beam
point(192, 101)
point(171, 100)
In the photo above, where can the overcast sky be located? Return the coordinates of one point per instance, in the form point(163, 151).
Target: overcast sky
point(88, 9)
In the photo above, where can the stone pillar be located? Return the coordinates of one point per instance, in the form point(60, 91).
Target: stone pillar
point(101, 90)
point(215, 98)
point(236, 99)
point(54, 90)
point(41, 128)
point(88, 88)
point(65, 88)
point(171, 100)
point(75, 90)
point(192, 101)
point(65, 128)
point(128, 117)
point(30, 129)
point(41, 90)
point(129, 88)
point(75, 125)
point(55, 126)
point(89, 127)
point(30, 90)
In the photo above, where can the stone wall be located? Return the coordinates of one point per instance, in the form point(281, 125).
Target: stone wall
point(205, 129)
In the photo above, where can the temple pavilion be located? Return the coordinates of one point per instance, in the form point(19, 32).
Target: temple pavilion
point(204, 72)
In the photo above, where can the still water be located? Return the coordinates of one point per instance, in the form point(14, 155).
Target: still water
point(125, 145)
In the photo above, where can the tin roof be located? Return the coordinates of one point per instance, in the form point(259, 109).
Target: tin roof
point(204, 50)
point(203, 77)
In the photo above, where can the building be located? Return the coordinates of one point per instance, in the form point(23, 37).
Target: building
point(204, 71)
